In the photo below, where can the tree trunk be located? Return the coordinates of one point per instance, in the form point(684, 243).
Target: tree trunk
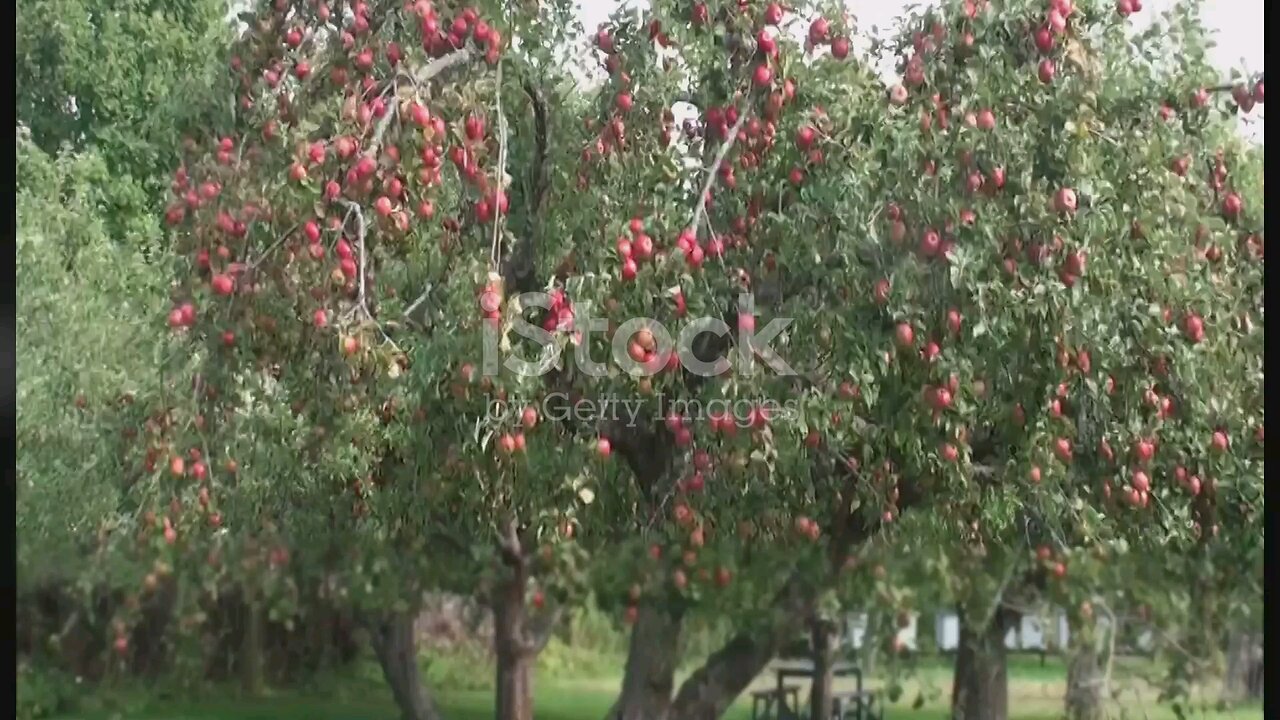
point(823, 656)
point(396, 647)
point(650, 674)
point(712, 688)
point(1084, 684)
point(514, 658)
point(980, 690)
point(515, 688)
point(251, 667)
point(1244, 678)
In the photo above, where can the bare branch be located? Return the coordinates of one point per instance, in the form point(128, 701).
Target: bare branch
point(354, 209)
point(509, 543)
point(271, 248)
point(439, 65)
point(539, 630)
point(700, 208)
point(496, 249)
point(385, 122)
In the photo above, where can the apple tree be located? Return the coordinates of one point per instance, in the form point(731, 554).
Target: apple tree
point(1025, 293)
point(931, 303)
point(325, 431)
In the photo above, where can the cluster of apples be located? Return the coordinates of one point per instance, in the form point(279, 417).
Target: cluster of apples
point(634, 250)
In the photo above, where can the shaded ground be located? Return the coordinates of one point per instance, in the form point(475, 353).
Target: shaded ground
point(1035, 694)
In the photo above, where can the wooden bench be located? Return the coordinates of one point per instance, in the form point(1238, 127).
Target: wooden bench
point(772, 704)
point(855, 705)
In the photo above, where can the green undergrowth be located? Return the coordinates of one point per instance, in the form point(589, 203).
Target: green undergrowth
point(571, 684)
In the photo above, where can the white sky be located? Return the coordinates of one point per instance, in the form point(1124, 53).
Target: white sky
point(1236, 25)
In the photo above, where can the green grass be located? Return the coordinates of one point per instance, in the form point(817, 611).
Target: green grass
point(360, 694)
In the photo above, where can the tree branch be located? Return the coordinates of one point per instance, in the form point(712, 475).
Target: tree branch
point(439, 65)
point(700, 209)
point(509, 544)
point(354, 209)
point(539, 630)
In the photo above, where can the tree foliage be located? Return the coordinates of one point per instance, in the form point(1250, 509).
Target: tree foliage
point(1023, 289)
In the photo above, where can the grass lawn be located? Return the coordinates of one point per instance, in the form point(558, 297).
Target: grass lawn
point(1035, 694)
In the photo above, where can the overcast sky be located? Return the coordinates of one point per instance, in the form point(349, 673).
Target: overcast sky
point(1236, 24)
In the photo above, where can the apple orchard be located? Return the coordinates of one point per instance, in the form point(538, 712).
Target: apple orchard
point(1024, 285)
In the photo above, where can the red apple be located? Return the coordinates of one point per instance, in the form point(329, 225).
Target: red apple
point(904, 335)
point(1046, 71)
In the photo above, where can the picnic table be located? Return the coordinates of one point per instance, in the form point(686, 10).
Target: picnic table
point(782, 702)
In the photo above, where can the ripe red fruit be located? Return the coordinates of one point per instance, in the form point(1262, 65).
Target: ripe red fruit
point(623, 102)
point(1074, 263)
point(473, 128)
point(954, 321)
point(773, 13)
point(1044, 39)
point(1046, 71)
point(1193, 327)
point(881, 291)
point(507, 444)
point(1220, 441)
point(949, 453)
point(723, 577)
point(1034, 475)
point(642, 246)
point(1064, 201)
point(1140, 481)
point(1231, 206)
point(986, 120)
point(222, 284)
point(904, 335)
point(818, 30)
point(765, 42)
point(177, 466)
point(930, 243)
point(700, 15)
point(604, 448)
point(1057, 20)
point(320, 318)
point(939, 398)
point(1062, 448)
point(629, 270)
point(840, 48)
point(350, 345)
point(805, 137)
point(382, 206)
point(529, 418)
point(796, 176)
point(1243, 98)
point(762, 76)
